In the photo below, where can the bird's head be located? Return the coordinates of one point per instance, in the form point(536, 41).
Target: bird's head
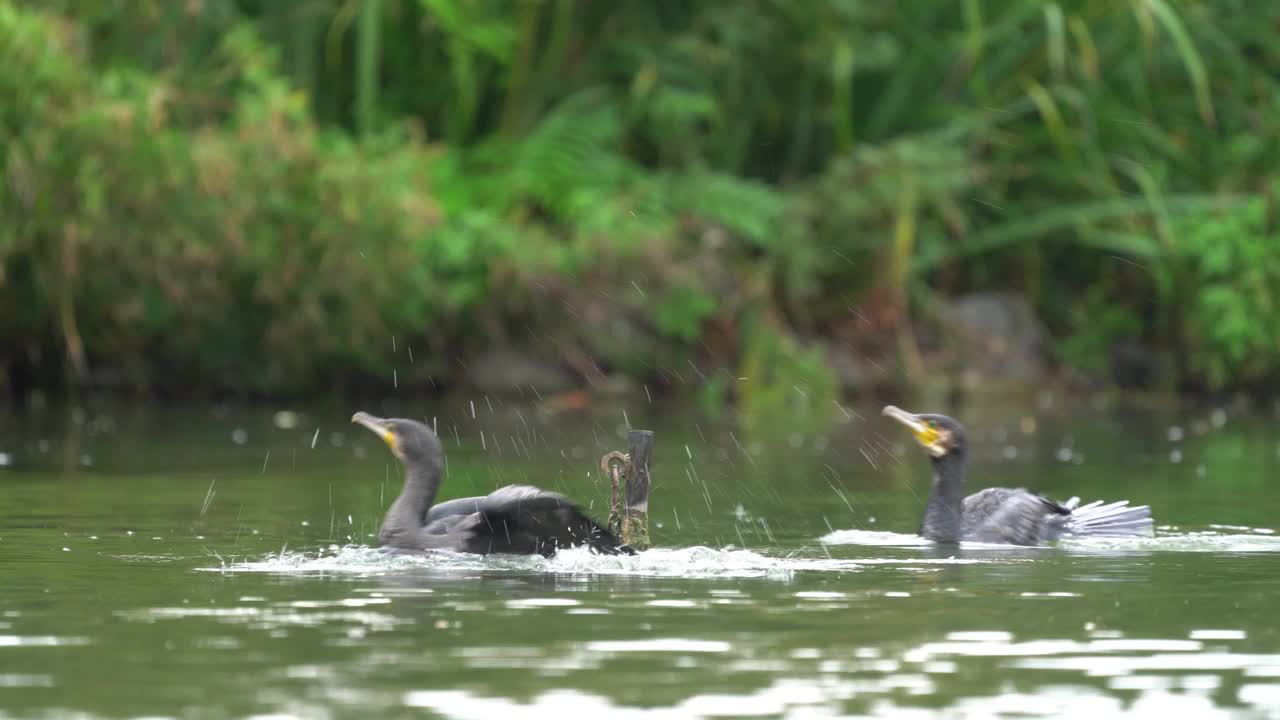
point(939, 435)
point(409, 440)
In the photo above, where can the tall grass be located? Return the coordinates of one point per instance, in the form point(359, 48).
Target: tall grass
point(866, 157)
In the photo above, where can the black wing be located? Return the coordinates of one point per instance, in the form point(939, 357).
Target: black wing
point(517, 519)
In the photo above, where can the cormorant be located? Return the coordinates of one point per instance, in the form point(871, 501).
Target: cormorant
point(1003, 515)
point(516, 519)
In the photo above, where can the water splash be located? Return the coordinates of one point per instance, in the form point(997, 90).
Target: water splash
point(1219, 538)
point(1234, 540)
point(692, 562)
point(874, 538)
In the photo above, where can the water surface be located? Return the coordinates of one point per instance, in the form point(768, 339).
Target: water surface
point(215, 562)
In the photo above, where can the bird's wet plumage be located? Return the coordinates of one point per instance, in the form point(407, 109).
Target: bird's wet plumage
point(516, 519)
point(1012, 516)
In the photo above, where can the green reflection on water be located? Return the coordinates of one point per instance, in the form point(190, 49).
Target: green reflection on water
point(115, 531)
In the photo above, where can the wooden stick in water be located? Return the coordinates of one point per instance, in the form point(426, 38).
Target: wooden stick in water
point(635, 517)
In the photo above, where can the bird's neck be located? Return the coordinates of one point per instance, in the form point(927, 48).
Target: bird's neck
point(944, 512)
point(409, 511)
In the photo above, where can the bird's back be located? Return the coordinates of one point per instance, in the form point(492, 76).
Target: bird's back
point(1012, 516)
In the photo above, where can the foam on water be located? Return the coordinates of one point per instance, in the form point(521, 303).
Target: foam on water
point(1219, 538)
point(691, 562)
point(879, 538)
point(874, 538)
point(728, 562)
point(1222, 540)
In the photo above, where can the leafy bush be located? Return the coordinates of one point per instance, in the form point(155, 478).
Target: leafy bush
point(260, 255)
point(258, 195)
point(1233, 317)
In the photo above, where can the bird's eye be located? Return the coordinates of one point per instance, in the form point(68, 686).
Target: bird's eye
point(932, 425)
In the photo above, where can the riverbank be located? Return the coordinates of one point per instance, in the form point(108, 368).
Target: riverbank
point(203, 222)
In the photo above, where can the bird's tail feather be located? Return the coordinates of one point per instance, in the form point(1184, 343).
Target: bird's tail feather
point(1116, 519)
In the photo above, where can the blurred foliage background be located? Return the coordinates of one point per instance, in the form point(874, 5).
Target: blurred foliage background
point(278, 198)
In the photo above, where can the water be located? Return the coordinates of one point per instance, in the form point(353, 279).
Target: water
point(215, 562)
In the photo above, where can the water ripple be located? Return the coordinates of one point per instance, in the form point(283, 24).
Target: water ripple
point(40, 641)
point(825, 697)
point(1219, 538)
point(874, 538)
point(692, 562)
point(269, 618)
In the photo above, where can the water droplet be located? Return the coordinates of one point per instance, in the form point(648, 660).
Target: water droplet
point(239, 436)
point(1218, 418)
point(285, 419)
point(1175, 456)
point(1175, 434)
point(1010, 452)
point(1064, 454)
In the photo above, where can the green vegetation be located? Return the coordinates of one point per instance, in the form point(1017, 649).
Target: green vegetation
point(259, 196)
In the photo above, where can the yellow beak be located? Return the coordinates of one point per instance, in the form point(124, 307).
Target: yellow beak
point(925, 435)
point(378, 426)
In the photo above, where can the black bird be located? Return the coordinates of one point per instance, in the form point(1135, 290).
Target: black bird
point(516, 519)
point(1012, 516)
